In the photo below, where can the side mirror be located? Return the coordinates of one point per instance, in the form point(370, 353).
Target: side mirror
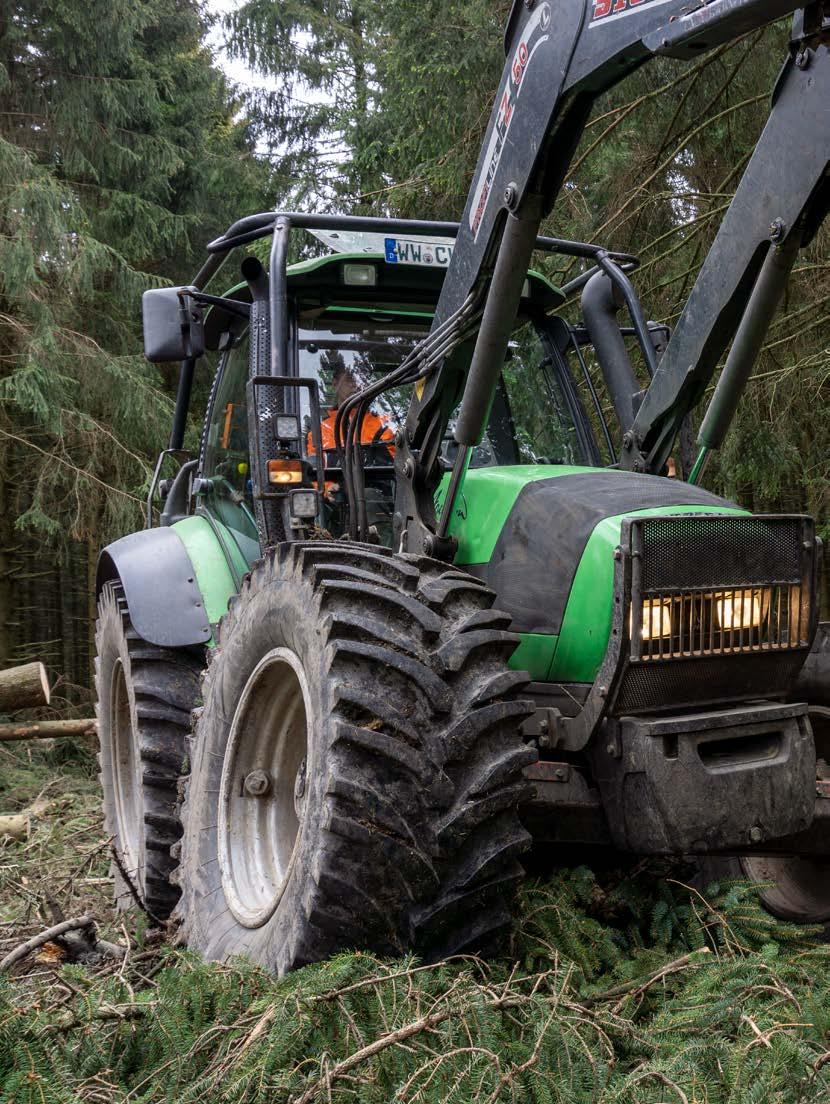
point(173, 324)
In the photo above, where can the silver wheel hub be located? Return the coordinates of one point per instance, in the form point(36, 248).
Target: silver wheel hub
point(263, 785)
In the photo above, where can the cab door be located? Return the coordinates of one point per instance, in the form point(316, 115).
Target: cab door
point(225, 491)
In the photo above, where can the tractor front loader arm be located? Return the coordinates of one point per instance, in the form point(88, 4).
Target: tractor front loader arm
point(559, 59)
point(779, 205)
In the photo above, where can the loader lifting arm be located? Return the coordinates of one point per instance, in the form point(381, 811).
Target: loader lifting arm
point(559, 60)
point(777, 208)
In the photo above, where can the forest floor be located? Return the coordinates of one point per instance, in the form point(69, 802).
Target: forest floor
point(630, 987)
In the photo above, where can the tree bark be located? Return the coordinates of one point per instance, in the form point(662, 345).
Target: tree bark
point(41, 730)
point(23, 687)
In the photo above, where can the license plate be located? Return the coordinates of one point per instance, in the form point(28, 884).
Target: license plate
point(411, 251)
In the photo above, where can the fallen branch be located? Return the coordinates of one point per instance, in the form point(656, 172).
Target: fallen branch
point(630, 988)
point(394, 1038)
point(47, 936)
point(16, 826)
point(131, 886)
point(43, 730)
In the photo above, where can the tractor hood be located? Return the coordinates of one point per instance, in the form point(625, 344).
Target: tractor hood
point(543, 537)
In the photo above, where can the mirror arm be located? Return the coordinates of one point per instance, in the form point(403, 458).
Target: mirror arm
point(182, 403)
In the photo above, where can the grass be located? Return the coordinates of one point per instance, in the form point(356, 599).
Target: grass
point(633, 988)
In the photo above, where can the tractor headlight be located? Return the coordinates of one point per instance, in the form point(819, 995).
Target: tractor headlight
point(741, 609)
point(656, 618)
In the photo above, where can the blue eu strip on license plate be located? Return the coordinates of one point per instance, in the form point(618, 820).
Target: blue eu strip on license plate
point(408, 251)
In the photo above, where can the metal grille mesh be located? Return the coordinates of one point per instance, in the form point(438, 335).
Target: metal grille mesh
point(269, 401)
point(713, 551)
point(651, 687)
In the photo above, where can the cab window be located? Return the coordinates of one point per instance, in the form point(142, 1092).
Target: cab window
point(226, 461)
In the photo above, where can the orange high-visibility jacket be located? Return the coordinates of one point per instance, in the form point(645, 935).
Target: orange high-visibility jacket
point(372, 425)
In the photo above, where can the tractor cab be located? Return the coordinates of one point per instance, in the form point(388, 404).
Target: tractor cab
point(353, 319)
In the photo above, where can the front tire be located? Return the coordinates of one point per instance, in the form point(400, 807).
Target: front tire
point(357, 766)
point(145, 695)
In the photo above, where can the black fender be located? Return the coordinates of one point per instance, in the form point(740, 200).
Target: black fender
point(160, 586)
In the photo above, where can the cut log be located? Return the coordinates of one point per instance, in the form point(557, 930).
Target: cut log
point(23, 687)
point(15, 826)
point(40, 730)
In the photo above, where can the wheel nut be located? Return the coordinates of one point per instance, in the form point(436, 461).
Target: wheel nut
point(257, 783)
point(755, 834)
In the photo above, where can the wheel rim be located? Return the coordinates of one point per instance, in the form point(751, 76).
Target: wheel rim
point(129, 810)
point(262, 791)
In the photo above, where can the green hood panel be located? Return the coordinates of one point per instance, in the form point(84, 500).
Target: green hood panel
point(543, 537)
point(485, 501)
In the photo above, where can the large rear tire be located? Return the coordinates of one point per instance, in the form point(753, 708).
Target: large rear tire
point(357, 765)
point(145, 695)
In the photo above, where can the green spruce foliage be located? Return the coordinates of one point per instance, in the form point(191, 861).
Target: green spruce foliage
point(639, 991)
point(122, 149)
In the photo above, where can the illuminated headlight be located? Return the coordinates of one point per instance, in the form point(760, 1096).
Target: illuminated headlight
point(741, 609)
point(360, 275)
point(656, 618)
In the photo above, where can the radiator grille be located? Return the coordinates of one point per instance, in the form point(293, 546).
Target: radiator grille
point(711, 551)
point(672, 685)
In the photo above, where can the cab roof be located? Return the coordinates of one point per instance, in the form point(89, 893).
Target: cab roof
point(406, 289)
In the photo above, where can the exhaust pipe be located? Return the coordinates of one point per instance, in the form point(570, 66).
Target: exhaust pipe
point(599, 309)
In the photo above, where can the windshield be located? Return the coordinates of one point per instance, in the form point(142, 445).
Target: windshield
point(345, 357)
point(535, 412)
point(535, 418)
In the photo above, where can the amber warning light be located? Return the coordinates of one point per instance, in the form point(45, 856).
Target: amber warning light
point(285, 472)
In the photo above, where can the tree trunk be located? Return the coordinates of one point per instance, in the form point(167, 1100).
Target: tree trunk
point(23, 687)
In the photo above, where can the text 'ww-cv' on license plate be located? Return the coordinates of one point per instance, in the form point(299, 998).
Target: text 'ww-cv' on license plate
point(418, 251)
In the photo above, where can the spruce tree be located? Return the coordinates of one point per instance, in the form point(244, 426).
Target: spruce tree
point(122, 150)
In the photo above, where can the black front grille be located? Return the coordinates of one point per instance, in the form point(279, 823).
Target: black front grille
point(673, 685)
point(722, 609)
point(718, 551)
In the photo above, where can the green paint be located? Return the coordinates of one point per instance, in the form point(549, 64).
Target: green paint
point(534, 654)
point(485, 500)
point(315, 263)
point(586, 625)
point(212, 572)
point(699, 464)
point(398, 312)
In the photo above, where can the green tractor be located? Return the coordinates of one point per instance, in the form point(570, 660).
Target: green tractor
point(417, 606)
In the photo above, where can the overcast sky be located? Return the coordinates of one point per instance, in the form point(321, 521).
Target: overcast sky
point(238, 72)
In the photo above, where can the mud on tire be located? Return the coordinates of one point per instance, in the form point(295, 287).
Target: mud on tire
point(407, 833)
point(145, 695)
